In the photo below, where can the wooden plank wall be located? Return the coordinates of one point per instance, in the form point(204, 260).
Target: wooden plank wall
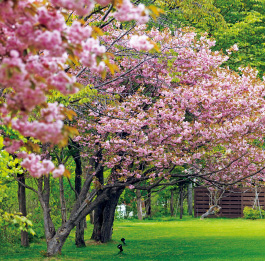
point(232, 202)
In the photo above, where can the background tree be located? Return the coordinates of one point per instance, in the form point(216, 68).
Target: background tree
point(245, 27)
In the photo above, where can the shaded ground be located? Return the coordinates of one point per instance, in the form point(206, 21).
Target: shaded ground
point(187, 239)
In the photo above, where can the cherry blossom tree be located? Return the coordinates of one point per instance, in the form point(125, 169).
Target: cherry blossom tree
point(37, 47)
point(175, 108)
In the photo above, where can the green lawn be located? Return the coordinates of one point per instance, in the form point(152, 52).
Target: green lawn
point(187, 239)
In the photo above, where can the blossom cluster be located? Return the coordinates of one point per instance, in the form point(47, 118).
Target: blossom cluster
point(38, 168)
point(128, 12)
point(141, 43)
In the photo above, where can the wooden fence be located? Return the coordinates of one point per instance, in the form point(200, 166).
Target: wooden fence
point(232, 203)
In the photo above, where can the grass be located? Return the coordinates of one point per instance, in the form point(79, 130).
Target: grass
point(164, 239)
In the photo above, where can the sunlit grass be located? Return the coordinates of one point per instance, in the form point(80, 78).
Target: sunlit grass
point(187, 239)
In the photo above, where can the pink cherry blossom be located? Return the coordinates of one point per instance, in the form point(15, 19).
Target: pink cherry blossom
point(59, 171)
point(127, 12)
point(140, 43)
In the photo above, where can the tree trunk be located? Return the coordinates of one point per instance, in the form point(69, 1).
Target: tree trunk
point(44, 197)
point(79, 234)
point(86, 203)
point(181, 200)
point(98, 212)
point(190, 207)
point(55, 244)
point(98, 221)
point(139, 204)
point(165, 206)
point(109, 214)
point(148, 204)
point(172, 203)
point(80, 228)
point(211, 211)
point(62, 201)
point(92, 217)
point(55, 241)
point(104, 216)
point(22, 207)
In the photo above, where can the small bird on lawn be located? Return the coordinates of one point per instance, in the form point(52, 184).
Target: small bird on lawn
point(120, 247)
point(123, 241)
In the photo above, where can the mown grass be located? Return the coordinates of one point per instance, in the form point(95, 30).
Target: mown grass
point(164, 239)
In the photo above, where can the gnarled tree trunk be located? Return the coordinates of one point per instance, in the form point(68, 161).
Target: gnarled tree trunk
point(56, 240)
point(86, 203)
point(104, 216)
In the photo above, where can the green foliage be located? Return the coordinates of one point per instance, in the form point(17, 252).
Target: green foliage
point(85, 95)
point(246, 28)
point(128, 198)
point(56, 96)
point(15, 221)
point(201, 14)
point(10, 224)
point(250, 213)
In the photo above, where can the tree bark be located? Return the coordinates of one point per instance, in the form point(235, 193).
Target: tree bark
point(80, 228)
point(55, 241)
point(172, 203)
point(92, 217)
point(139, 204)
point(190, 207)
point(105, 211)
point(86, 203)
point(22, 207)
point(181, 200)
point(98, 221)
point(148, 204)
point(62, 201)
point(44, 197)
point(109, 214)
point(104, 216)
point(98, 212)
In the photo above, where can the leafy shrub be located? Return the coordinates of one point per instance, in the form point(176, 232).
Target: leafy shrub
point(12, 224)
point(250, 213)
